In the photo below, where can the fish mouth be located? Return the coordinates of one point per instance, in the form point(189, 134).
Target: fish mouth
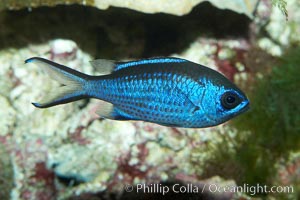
point(245, 106)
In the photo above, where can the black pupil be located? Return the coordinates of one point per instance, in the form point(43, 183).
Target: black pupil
point(230, 99)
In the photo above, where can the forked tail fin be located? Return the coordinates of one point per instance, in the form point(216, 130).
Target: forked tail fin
point(72, 81)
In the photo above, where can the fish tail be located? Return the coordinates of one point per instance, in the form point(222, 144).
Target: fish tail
point(73, 83)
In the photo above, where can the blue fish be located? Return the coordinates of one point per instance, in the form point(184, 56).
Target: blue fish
point(168, 91)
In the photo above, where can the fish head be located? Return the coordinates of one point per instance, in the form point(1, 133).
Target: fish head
point(221, 101)
point(230, 103)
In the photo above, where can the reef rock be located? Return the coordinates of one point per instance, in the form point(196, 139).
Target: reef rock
point(175, 7)
point(66, 150)
point(282, 33)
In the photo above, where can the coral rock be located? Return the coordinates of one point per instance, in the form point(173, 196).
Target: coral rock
point(175, 7)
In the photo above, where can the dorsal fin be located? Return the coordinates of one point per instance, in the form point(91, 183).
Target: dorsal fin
point(108, 66)
point(156, 60)
point(103, 66)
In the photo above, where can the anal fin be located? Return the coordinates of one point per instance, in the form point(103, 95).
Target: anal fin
point(109, 111)
point(169, 125)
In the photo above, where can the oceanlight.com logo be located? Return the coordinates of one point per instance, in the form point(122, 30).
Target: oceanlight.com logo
point(250, 189)
point(158, 188)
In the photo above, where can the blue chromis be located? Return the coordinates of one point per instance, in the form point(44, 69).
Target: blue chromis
point(168, 91)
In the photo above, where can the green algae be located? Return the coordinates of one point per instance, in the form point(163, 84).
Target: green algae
point(258, 141)
point(6, 173)
point(281, 4)
point(273, 121)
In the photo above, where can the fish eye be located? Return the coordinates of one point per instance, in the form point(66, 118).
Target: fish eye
point(230, 100)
